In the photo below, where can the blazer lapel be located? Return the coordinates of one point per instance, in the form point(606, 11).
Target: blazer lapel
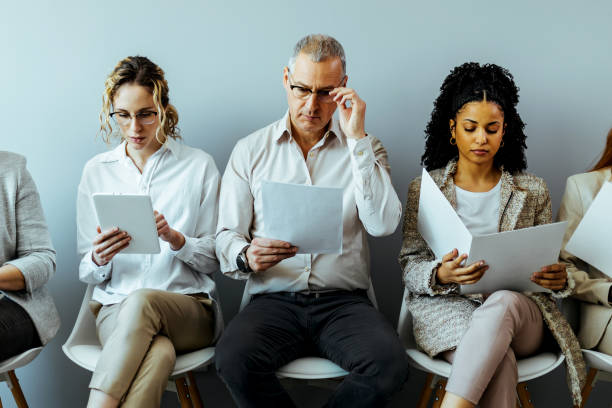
point(511, 204)
point(447, 184)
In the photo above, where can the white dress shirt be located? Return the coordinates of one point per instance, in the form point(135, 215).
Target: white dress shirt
point(183, 183)
point(370, 204)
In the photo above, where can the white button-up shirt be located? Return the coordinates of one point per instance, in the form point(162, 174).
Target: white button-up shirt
point(183, 183)
point(370, 204)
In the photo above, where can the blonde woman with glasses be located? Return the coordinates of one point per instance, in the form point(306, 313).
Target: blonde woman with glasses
point(148, 307)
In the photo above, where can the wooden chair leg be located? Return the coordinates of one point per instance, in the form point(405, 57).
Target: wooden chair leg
point(523, 395)
point(183, 392)
point(426, 392)
point(16, 390)
point(194, 393)
point(588, 386)
point(439, 395)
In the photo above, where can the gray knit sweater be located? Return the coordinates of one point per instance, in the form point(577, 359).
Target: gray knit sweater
point(25, 243)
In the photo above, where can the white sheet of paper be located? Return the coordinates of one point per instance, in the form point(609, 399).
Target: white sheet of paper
point(591, 239)
point(308, 217)
point(438, 223)
point(512, 256)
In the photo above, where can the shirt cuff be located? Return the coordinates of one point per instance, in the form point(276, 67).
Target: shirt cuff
point(362, 154)
point(100, 273)
point(184, 253)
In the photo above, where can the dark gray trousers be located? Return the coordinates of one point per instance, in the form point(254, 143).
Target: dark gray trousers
point(342, 326)
point(17, 331)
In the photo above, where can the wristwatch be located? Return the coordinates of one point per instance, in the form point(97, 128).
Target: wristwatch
point(242, 261)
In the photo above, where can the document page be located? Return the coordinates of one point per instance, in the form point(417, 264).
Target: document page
point(308, 217)
point(513, 256)
point(591, 239)
point(438, 223)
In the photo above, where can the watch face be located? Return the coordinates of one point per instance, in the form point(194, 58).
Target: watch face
point(240, 263)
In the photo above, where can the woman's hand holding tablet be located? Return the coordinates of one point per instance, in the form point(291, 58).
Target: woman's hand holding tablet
point(107, 244)
point(171, 236)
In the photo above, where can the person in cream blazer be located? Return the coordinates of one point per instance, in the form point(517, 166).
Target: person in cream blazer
point(592, 287)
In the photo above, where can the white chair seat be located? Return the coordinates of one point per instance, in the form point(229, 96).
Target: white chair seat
point(597, 360)
point(86, 356)
point(19, 360)
point(528, 368)
point(311, 368)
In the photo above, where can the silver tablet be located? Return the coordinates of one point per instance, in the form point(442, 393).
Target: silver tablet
point(131, 213)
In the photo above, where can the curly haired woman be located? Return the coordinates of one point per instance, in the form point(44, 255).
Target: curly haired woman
point(475, 153)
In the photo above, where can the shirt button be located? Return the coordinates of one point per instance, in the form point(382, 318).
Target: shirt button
point(307, 269)
point(360, 153)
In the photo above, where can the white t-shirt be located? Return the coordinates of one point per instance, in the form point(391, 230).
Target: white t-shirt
point(479, 211)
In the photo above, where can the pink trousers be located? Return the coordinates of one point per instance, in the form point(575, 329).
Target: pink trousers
point(506, 326)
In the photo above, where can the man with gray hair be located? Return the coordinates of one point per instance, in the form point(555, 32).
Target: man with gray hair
point(309, 304)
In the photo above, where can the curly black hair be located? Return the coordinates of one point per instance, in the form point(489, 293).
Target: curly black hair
point(467, 83)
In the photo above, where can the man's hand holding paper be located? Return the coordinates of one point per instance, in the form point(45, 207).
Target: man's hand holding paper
point(264, 253)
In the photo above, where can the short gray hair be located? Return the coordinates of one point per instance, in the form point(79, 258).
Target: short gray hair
point(318, 47)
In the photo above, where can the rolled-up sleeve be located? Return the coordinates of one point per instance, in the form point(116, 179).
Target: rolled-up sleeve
point(379, 207)
point(35, 256)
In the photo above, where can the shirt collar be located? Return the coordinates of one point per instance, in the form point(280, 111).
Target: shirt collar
point(283, 129)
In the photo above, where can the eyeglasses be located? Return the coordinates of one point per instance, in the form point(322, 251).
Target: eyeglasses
point(124, 118)
point(301, 92)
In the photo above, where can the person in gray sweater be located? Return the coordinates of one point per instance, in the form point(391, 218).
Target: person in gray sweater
point(28, 317)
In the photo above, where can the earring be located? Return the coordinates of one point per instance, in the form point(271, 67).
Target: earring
point(453, 141)
point(502, 143)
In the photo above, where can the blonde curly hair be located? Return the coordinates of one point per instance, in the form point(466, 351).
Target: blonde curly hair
point(141, 71)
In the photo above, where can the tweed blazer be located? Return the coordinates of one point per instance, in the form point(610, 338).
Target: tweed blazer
point(592, 285)
point(25, 243)
point(440, 314)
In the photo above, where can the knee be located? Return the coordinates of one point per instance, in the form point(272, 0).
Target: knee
point(508, 298)
point(506, 301)
point(139, 302)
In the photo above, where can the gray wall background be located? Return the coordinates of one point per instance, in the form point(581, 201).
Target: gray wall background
point(224, 62)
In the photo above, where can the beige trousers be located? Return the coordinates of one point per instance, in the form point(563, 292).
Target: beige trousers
point(508, 324)
point(140, 338)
